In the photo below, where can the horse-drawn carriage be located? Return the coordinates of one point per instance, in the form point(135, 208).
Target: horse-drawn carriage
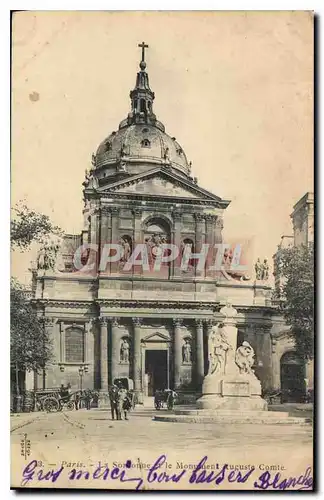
point(54, 400)
point(165, 398)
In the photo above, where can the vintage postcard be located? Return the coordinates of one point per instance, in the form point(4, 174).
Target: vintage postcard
point(162, 250)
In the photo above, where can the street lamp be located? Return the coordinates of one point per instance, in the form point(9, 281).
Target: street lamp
point(81, 372)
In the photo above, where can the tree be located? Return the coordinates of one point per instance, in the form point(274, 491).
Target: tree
point(296, 268)
point(30, 345)
point(28, 226)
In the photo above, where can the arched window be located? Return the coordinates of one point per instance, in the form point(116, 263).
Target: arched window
point(142, 104)
point(74, 345)
point(145, 143)
point(156, 234)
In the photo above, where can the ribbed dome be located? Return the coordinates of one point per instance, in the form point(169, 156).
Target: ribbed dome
point(142, 143)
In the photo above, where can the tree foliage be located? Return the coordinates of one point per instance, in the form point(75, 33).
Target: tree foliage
point(296, 269)
point(30, 344)
point(28, 226)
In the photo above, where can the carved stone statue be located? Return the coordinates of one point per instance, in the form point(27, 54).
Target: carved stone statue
point(258, 270)
point(46, 259)
point(186, 352)
point(218, 348)
point(265, 270)
point(124, 351)
point(93, 160)
point(123, 151)
point(228, 311)
point(244, 358)
point(90, 180)
point(127, 249)
point(166, 153)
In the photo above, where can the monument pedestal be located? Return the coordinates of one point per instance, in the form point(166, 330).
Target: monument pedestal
point(231, 392)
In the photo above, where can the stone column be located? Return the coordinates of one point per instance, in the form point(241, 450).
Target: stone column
point(200, 238)
point(94, 240)
point(177, 323)
point(105, 234)
point(176, 240)
point(137, 354)
point(200, 369)
point(210, 239)
point(114, 266)
point(89, 354)
point(114, 347)
point(137, 236)
point(104, 380)
point(275, 364)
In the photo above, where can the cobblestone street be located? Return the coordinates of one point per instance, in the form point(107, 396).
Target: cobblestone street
point(84, 438)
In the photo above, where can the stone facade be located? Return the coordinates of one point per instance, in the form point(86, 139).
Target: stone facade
point(142, 324)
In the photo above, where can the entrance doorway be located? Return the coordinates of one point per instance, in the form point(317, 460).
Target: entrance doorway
point(156, 370)
point(292, 378)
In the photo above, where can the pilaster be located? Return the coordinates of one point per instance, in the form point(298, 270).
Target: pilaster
point(177, 324)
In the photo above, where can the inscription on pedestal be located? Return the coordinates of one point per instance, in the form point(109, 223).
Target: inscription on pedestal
point(235, 389)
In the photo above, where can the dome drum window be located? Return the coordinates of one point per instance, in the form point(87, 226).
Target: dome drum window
point(145, 143)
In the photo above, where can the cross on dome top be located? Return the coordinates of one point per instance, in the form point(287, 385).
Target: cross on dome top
point(143, 46)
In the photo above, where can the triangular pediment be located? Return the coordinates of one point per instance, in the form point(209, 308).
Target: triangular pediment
point(161, 183)
point(156, 337)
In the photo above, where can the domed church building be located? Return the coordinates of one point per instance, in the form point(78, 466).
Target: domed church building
point(148, 320)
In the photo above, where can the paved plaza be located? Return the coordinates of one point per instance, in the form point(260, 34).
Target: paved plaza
point(82, 439)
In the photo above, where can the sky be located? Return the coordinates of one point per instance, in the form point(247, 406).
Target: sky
point(234, 88)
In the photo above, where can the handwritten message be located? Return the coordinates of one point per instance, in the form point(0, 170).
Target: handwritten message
point(159, 473)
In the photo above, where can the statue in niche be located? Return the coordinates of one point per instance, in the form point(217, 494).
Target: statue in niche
point(186, 352)
point(154, 243)
point(218, 350)
point(187, 262)
point(127, 249)
point(124, 351)
point(244, 358)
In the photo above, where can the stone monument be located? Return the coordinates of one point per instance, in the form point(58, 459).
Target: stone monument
point(231, 382)
point(231, 392)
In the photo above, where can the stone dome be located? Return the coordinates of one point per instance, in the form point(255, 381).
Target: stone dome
point(142, 143)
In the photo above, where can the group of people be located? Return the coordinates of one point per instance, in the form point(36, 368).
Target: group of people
point(120, 401)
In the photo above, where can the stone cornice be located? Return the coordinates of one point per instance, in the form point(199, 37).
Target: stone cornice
point(157, 304)
point(66, 304)
point(134, 197)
